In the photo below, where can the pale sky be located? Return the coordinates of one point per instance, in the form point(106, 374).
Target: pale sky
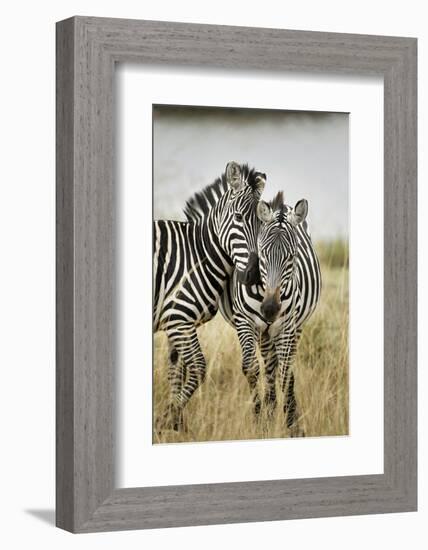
point(305, 154)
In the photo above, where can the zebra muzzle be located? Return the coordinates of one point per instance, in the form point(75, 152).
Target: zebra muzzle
point(251, 274)
point(271, 305)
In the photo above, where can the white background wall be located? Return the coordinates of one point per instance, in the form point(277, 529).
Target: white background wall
point(27, 272)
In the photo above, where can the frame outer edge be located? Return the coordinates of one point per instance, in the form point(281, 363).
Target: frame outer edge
point(400, 253)
point(94, 275)
point(65, 97)
point(412, 170)
point(408, 267)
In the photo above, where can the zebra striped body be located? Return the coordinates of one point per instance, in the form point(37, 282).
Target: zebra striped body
point(193, 261)
point(273, 313)
point(190, 274)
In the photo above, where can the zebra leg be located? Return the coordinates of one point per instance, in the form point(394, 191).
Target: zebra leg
point(190, 376)
point(173, 418)
point(250, 364)
point(286, 346)
point(176, 370)
point(268, 351)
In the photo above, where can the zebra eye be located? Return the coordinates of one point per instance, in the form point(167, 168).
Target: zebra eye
point(238, 216)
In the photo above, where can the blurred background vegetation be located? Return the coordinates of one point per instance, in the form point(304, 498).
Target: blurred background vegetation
point(334, 253)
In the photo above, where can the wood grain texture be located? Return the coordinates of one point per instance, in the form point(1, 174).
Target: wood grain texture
point(87, 50)
point(64, 276)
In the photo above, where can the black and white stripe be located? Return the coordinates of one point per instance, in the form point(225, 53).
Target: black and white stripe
point(272, 313)
point(192, 264)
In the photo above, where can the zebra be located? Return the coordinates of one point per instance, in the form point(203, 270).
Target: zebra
point(273, 312)
point(193, 261)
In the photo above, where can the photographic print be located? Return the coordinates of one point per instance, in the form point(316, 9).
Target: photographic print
point(250, 274)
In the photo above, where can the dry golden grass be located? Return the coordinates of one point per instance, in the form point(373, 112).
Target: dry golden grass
point(222, 408)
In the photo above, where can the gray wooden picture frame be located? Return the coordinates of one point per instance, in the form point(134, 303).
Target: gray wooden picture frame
point(87, 50)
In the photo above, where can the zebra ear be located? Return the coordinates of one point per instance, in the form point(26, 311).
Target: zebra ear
point(260, 182)
point(234, 176)
point(299, 212)
point(264, 212)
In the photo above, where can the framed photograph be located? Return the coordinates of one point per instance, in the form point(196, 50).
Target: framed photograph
point(250, 316)
point(236, 274)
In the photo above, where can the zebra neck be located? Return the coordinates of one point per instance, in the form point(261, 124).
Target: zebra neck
point(291, 294)
point(209, 248)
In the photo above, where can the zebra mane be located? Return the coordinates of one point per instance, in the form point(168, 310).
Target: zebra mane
point(278, 205)
point(203, 201)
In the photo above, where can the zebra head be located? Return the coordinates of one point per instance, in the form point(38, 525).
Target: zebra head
point(239, 223)
point(277, 247)
point(228, 207)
